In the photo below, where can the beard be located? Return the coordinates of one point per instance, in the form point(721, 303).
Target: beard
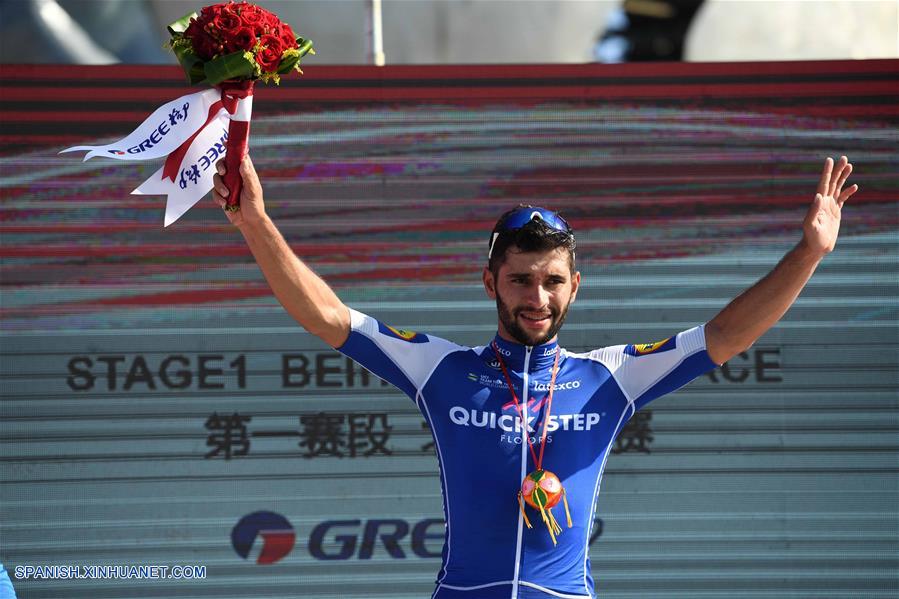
point(509, 320)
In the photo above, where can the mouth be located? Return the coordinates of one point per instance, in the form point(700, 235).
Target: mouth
point(535, 320)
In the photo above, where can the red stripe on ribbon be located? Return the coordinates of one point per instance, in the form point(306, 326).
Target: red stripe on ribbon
point(173, 162)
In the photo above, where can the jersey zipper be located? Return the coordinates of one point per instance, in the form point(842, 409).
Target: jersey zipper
point(524, 462)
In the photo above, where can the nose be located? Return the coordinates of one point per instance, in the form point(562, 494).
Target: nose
point(537, 296)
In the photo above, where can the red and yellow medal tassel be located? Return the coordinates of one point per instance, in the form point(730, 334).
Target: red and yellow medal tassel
point(523, 514)
point(567, 511)
point(548, 519)
point(556, 526)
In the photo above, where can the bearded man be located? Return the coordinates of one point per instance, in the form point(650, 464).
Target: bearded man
point(520, 418)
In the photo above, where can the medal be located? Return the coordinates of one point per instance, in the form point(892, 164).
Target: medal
point(541, 489)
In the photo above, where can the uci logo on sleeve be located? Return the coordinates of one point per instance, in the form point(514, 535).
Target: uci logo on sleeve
point(643, 349)
point(410, 336)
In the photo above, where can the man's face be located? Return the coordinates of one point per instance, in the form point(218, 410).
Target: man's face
point(532, 291)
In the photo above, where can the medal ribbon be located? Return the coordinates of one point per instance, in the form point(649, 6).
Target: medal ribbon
point(522, 409)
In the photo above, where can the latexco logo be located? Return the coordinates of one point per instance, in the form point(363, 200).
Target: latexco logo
point(563, 386)
point(276, 531)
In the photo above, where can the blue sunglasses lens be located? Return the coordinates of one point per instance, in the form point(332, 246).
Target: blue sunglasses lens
point(521, 217)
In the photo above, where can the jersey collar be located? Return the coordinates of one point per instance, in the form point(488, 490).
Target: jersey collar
point(513, 354)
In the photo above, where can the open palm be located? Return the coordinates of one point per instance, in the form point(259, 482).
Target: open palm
point(822, 222)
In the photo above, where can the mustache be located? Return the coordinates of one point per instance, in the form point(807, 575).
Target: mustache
point(550, 311)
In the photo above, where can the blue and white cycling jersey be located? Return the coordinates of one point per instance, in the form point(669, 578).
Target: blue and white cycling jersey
point(463, 395)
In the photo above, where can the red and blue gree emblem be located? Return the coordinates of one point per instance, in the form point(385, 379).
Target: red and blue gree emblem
point(278, 536)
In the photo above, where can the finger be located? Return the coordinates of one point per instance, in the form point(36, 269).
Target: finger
point(824, 182)
point(847, 193)
point(249, 175)
point(246, 166)
point(835, 176)
point(220, 167)
point(844, 174)
point(218, 184)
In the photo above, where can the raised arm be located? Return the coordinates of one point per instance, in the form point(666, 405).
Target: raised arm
point(305, 296)
point(758, 308)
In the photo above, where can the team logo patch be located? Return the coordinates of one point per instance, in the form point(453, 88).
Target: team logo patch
point(642, 349)
point(410, 336)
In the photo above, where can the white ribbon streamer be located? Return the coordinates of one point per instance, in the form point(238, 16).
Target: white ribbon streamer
point(194, 179)
point(162, 132)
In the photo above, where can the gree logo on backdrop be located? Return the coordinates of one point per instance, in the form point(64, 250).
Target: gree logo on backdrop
point(347, 539)
point(339, 539)
point(277, 534)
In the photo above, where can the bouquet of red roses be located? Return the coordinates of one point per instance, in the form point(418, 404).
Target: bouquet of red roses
point(236, 41)
point(231, 45)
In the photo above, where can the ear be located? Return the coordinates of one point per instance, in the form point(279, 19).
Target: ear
point(489, 283)
point(575, 283)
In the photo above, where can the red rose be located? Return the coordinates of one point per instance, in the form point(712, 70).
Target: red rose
point(227, 23)
point(288, 37)
point(253, 19)
point(208, 13)
point(250, 15)
point(270, 19)
point(273, 42)
point(269, 56)
point(244, 39)
point(215, 25)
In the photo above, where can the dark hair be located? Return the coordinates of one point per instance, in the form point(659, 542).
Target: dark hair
point(534, 236)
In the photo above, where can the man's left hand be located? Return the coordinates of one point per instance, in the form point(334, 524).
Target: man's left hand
point(756, 310)
point(822, 222)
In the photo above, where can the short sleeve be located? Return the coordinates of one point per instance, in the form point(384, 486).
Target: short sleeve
point(648, 371)
point(405, 359)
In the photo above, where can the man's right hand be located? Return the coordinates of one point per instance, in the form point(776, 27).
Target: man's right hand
point(252, 208)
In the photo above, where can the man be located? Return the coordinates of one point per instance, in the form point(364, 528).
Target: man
point(521, 404)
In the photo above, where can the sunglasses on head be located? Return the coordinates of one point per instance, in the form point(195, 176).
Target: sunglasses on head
point(522, 216)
